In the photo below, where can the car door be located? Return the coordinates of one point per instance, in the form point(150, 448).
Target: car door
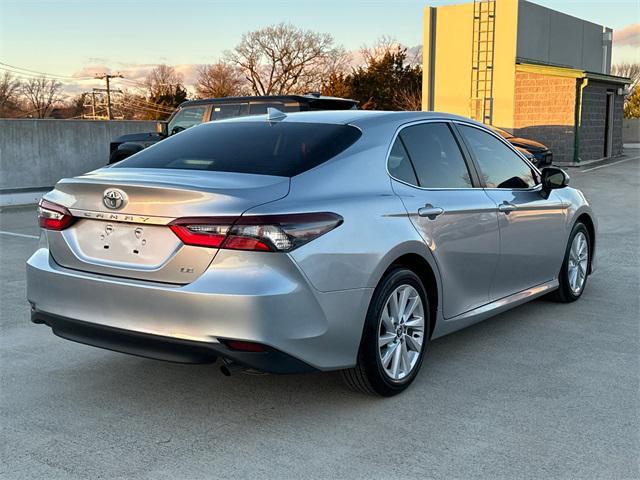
point(531, 221)
point(456, 220)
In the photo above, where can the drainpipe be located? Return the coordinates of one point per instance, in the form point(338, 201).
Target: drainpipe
point(576, 137)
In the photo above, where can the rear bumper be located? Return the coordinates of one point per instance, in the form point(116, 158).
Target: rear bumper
point(248, 296)
point(167, 348)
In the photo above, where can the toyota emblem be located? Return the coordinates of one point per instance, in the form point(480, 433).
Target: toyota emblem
point(114, 199)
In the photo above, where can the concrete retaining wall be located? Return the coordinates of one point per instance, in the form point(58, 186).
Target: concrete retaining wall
point(631, 130)
point(35, 154)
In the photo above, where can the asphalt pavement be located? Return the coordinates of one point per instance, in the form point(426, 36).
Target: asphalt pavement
point(543, 391)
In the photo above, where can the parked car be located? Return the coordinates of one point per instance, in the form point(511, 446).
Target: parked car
point(311, 241)
point(536, 152)
point(194, 112)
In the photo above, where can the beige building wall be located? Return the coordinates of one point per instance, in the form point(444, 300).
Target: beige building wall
point(545, 107)
point(452, 60)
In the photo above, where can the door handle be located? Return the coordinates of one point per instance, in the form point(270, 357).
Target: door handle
point(507, 207)
point(430, 211)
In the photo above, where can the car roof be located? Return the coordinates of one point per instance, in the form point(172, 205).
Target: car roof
point(355, 117)
point(308, 98)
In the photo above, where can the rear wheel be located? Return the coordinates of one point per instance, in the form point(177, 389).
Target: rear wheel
point(395, 336)
point(575, 268)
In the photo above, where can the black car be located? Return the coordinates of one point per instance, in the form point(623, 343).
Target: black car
point(536, 152)
point(194, 112)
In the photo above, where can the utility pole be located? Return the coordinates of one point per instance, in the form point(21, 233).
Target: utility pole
point(93, 105)
point(107, 77)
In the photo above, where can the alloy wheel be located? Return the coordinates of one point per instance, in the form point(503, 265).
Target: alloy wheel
point(578, 262)
point(401, 332)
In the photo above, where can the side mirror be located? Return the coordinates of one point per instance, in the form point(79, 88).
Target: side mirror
point(161, 128)
point(553, 177)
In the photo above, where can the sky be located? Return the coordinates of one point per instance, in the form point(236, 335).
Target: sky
point(74, 38)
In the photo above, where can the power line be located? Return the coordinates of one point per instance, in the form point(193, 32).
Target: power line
point(138, 105)
point(152, 104)
point(42, 73)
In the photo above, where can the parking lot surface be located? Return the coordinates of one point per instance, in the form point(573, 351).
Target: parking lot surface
point(542, 391)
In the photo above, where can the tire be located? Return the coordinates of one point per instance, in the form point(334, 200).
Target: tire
point(567, 291)
point(370, 376)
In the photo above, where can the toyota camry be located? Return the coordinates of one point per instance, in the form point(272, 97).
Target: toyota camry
point(313, 241)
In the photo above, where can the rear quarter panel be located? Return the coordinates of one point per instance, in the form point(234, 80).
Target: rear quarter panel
point(376, 229)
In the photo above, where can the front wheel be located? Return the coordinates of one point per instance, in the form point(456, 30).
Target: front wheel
point(575, 268)
point(395, 336)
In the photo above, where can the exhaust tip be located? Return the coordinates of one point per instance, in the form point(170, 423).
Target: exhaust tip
point(229, 366)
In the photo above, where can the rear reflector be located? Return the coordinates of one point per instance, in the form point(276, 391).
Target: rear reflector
point(244, 346)
point(52, 216)
point(268, 233)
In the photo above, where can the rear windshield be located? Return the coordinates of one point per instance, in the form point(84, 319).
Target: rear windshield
point(282, 149)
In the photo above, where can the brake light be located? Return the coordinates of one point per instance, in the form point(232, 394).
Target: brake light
point(268, 233)
point(52, 216)
point(196, 232)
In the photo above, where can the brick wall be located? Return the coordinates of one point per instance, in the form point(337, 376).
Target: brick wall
point(594, 114)
point(544, 110)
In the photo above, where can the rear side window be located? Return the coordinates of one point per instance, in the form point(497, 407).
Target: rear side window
point(500, 167)
point(282, 149)
point(229, 110)
point(261, 108)
point(400, 165)
point(436, 156)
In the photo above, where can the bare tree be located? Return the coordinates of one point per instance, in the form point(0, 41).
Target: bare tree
point(409, 98)
point(9, 90)
point(162, 80)
point(222, 79)
point(282, 59)
point(629, 70)
point(41, 95)
point(383, 46)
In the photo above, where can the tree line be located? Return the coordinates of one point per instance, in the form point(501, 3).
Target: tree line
point(279, 59)
point(276, 60)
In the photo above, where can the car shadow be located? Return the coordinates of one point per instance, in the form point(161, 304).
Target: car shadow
point(146, 387)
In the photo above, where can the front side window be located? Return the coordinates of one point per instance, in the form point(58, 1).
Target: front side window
point(500, 167)
point(436, 156)
point(282, 149)
point(185, 118)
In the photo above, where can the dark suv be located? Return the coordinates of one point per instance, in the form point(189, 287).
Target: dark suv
point(193, 112)
point(536, 152)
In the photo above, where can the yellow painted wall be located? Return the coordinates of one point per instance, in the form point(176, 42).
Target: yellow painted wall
point(453, 52)
point(454, 33)
point(504, 74)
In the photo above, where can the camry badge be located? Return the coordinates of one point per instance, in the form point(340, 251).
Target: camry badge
point(114, 199)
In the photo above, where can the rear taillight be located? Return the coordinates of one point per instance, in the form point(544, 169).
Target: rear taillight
point(52, 216)
point(269, 233)
point(202, 232)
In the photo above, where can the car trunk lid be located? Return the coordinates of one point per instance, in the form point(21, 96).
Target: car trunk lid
point(123, 216)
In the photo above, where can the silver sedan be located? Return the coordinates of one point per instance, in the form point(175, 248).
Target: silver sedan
point(308, 241)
